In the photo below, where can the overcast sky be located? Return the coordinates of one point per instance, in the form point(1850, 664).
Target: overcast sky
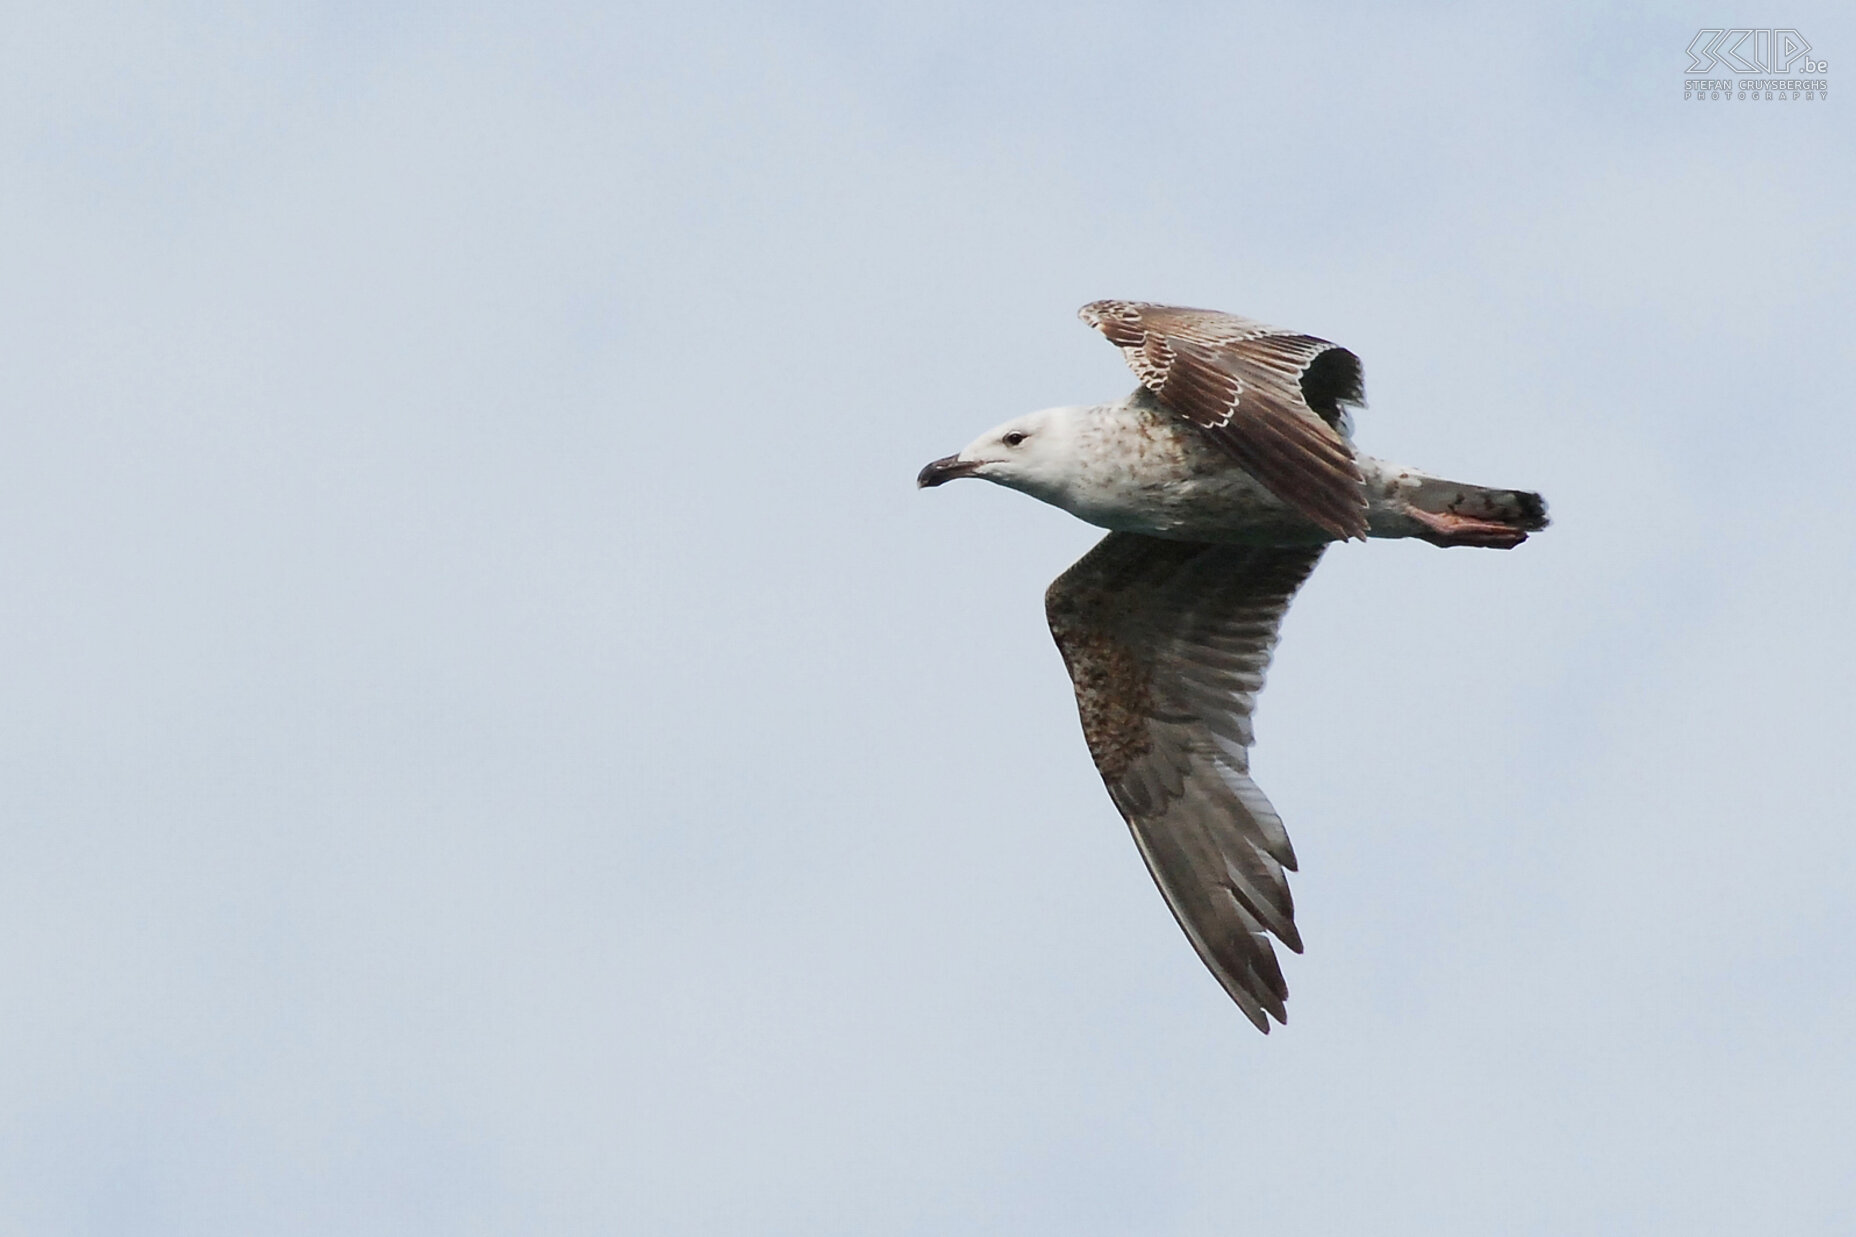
point(495, 743)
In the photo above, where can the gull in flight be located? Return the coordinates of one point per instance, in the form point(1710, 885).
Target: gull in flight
point(1221, 479)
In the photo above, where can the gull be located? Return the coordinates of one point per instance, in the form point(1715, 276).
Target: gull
point(1221, 479)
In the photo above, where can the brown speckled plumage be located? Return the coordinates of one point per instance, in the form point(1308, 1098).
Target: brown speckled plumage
point(1274, 399)
point(1167, 643)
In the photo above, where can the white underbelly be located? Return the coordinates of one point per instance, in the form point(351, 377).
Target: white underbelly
point(1227, 504)
point(1142, 470)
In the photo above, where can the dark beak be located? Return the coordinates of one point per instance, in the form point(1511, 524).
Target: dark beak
point(944, 470)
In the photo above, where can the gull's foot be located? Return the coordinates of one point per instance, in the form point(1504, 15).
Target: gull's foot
point(1447, 529)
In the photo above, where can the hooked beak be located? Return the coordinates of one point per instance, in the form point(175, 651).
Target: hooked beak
point(943, 470)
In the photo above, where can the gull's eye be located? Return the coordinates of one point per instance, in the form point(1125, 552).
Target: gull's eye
point(1014, 438)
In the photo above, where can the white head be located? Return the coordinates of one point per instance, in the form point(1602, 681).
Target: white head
point(1035, 453)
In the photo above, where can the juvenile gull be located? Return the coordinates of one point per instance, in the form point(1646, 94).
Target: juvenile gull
point(1221, 479)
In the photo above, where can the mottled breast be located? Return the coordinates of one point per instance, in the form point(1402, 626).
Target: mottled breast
point(1143, 470)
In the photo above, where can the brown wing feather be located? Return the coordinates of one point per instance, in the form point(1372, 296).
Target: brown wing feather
point(1167, 643)
point(1273, 399)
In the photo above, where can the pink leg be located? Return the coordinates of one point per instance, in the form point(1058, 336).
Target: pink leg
point(1446, 530)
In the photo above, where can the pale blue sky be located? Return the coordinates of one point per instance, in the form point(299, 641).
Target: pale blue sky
point(496, 743)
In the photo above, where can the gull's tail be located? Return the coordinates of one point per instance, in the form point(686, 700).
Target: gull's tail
point(1407, 503)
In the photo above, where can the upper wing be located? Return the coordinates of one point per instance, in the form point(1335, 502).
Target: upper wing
point(1167, 643)
point(1274, 399)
